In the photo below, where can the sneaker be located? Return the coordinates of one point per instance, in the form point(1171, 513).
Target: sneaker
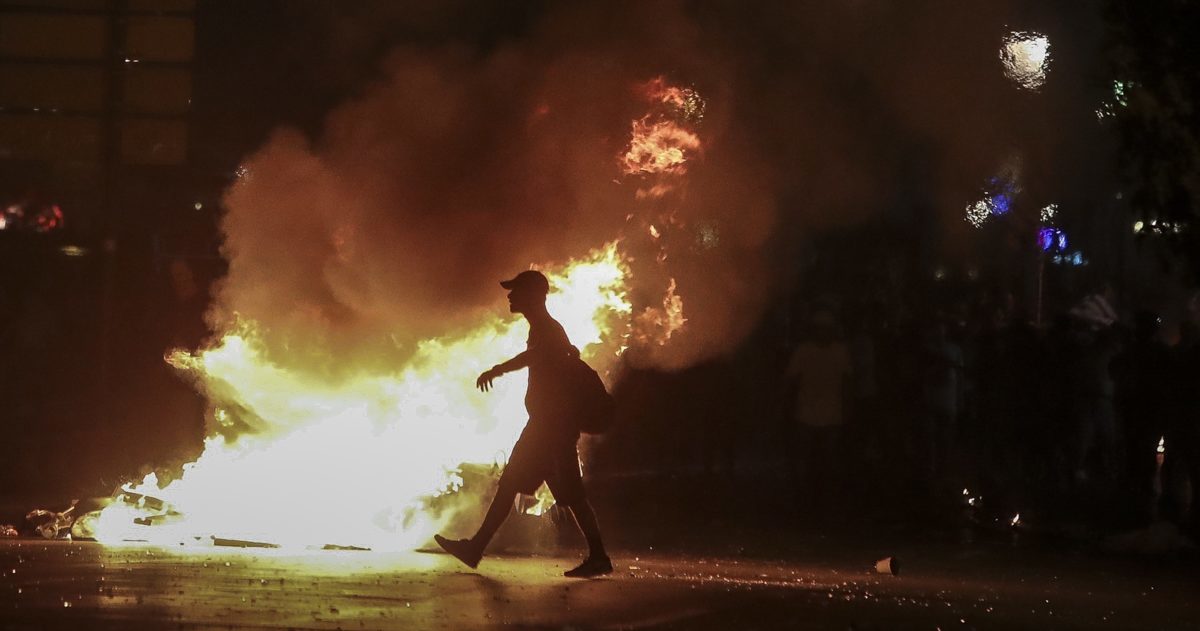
point(462, 549)
point(592, 566)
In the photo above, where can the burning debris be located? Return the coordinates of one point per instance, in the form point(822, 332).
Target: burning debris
point(50, 524)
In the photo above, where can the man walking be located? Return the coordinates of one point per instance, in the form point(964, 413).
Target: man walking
point(546, 450)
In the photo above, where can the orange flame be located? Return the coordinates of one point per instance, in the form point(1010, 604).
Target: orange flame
point(656, 325)
point(658, 147)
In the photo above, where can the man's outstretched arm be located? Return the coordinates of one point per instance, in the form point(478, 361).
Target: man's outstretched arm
point(484, 382)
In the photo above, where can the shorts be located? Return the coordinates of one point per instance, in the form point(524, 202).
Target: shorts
point(553, 460)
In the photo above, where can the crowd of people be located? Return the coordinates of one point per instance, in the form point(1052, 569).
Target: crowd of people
point(1088, 416)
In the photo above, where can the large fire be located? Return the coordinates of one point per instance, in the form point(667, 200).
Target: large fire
point(360, 462)
point(377, 460)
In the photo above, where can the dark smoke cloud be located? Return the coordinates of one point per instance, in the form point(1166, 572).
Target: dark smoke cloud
point(463, 163)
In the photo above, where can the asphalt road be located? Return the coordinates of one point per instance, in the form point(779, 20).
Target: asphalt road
point(65, 585)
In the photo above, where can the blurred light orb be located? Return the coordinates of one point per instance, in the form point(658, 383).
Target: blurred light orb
point(1026, 58)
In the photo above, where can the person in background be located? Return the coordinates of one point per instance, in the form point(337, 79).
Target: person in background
point(1182, 439)
point(1092, 389)
point(1141, 373)
point(941, 395)
point(817, 370)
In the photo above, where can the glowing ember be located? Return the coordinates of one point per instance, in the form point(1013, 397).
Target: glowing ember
point(369, 461)
point(1026, 57)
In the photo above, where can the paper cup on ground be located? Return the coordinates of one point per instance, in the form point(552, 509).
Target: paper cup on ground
point(889, 565)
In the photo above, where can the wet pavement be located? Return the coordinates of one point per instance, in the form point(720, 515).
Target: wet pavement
point(70, 585)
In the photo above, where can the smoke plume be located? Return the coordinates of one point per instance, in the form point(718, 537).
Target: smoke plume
point(460, 165)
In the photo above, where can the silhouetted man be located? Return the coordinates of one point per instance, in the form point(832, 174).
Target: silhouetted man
point(546, 449)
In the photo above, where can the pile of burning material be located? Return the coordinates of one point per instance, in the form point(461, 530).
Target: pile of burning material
point(156, 511)
point(85, 518)
point(52, 525)
point(141, 517)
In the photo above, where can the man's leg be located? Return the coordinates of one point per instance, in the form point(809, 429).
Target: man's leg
point(567, 486)
point(470, 551)
point(502, 504)
point(597, 562)
point(585, 518)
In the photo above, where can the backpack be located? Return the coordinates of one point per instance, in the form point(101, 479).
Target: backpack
point(588, 401)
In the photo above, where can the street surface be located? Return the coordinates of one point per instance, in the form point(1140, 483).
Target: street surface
point(74, 585)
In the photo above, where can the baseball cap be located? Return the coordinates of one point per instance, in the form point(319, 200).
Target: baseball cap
point(529, 280)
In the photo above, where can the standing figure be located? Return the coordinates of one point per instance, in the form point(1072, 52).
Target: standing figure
point(942, 360)
point(546, 450)
point(818, 370)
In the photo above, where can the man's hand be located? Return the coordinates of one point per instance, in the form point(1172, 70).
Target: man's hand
point(484, 382)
